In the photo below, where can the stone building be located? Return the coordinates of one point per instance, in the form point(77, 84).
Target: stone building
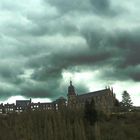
point(104, 99)
point(72, 97)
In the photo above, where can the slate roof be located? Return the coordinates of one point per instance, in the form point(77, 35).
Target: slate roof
point(60, 99)
point(23, 103)
point(93, 94)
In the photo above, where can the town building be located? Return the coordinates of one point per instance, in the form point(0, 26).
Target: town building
point(104, 101)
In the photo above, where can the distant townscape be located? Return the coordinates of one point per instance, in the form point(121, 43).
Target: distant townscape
point(88, 116)
point(104, 101)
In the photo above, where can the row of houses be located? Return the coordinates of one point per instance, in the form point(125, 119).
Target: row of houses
point(28, 105)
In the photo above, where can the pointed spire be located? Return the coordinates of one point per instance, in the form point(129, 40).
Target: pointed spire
point(70, 82)
point(71, 89)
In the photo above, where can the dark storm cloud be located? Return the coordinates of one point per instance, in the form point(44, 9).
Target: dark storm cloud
point(40, 39)
point(131, 43)
point(66, 6)
point(36, 89)
point(52, 66)
point(135, 75)
point(124, 47)
point(102, 7)
point(128, 43)
point(10, 72)
point(124, 43)
point(7, 91)
point(121, 74)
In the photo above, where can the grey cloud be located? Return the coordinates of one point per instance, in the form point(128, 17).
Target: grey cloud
point(128, 73)
point(58, 24)
point(54, 37)
point(35, 90)
point(104, 48)
point(10, 73)
point(127, 43)
point(134, 72)
point(52, 66)
point(66, 6)
point(122, 42)
point(7, 90)
point(123, 47)
point(101, 6)
point(96, 6)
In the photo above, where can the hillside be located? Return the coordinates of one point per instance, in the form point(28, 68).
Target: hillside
point(68, 125)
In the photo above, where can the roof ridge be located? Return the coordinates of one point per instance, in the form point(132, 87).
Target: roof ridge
point(94, 92)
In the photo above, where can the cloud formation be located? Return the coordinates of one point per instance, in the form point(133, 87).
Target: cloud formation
point(41, 39)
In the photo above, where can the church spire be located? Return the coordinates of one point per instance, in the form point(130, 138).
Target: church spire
point(70, 82)
point(71, 89)
point(72, 97)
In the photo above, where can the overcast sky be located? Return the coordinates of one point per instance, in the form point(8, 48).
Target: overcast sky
point(44, 43)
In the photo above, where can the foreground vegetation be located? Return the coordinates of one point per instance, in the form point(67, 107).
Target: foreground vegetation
point(69, 125)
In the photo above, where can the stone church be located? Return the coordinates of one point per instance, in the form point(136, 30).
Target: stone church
point(104, 99)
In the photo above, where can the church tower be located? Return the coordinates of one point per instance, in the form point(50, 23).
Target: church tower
point(71, 95)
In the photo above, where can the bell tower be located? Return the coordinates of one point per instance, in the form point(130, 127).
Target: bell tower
point(71, 95)
point(71, 89)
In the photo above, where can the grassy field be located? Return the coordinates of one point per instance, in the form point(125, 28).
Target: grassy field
point(69, 125)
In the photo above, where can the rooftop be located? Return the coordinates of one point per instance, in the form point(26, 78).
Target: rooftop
point(95, 93)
